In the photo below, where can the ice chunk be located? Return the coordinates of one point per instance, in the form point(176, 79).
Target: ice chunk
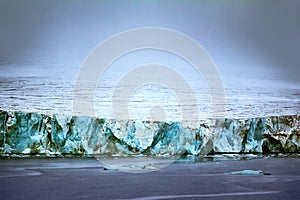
point(247, 172)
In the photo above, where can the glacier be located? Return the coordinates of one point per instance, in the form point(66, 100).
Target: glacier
point(32, 133)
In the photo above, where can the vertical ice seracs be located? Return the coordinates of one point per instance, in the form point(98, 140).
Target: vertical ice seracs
point(31, 133)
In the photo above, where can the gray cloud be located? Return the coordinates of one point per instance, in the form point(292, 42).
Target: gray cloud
point(243, 34)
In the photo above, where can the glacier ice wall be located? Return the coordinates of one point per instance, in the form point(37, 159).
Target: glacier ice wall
point(31, 133)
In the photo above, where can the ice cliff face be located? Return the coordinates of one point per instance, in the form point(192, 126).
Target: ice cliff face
point(31, 133)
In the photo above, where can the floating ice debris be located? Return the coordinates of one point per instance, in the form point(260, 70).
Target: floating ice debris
point(247, 172)
point(131, 168)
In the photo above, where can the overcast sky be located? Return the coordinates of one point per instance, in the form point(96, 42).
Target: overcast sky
point(239, 35)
